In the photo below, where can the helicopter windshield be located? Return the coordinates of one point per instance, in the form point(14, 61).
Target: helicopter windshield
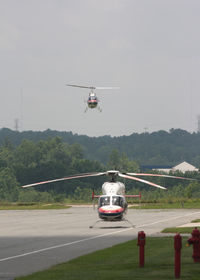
point(104, 201)
point(117, 200)
point(92, 98)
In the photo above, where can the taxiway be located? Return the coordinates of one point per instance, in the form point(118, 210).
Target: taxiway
point(33, 240)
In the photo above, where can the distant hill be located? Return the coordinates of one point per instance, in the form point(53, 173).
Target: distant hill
point(157, 148)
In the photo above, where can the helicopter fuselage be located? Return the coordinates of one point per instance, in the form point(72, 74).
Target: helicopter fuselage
point(112, 207)
point(112, 204)
point(92, 101)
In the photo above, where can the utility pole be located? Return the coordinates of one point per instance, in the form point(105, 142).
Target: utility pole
point(16, 126)
point(198, 124)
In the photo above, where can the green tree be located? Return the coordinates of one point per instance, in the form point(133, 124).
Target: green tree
point(114, 160)
point(28, 196)
point(192, 189)
point(127, 165)
point(8, 185)
point(121, 162)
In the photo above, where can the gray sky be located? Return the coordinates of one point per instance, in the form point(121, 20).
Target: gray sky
point(150, 48)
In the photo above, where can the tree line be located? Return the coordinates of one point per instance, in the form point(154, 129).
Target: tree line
point(32, 161)
point(156, 148)
point(49, 159)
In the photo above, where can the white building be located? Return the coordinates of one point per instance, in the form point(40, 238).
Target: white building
point(183, 167)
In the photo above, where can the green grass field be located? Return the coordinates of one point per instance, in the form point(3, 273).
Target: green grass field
point(196, 221)
point(178, 230)
point(32, 206)
point(166, 205)
point(121, 262)
point(159, 205)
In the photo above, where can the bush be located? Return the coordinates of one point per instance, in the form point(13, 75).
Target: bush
point(35, 196)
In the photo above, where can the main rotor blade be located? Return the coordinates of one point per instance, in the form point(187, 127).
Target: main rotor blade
point(160, 175)
point(92, 87)
point(83, 175)
point(107, 87)
point(81, 86)
point(141, 180)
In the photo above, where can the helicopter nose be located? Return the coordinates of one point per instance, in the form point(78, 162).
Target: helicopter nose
point(103, 210)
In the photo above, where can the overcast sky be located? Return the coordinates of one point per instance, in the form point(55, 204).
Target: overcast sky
point(149, 48)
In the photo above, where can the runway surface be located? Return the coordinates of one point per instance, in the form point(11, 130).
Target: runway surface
point(33, 240)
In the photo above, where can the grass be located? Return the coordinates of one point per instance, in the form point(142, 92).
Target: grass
point(178, 230)
point(169, 205)
point(32, 206)
point(145, 205)
point(196, 221)
point(121, 262)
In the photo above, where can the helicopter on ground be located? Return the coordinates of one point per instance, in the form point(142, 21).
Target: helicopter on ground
point(112, 204)
point(92, 101)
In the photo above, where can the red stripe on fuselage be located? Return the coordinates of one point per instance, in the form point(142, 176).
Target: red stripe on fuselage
point(111, 211)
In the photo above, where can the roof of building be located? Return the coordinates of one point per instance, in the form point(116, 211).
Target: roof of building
point(184, 166)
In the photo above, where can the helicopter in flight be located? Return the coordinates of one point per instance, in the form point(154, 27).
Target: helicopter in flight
point(92, 101)
point(112, 204)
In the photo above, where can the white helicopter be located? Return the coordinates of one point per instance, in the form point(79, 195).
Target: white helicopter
point(92, 101)
point(112, 205)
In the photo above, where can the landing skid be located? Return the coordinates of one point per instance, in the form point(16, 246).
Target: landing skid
point(95, 223)
point(99, 109)
point(123, 220)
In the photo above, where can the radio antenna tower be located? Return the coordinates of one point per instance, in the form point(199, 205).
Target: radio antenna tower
point(198, 124)
point(16, 124)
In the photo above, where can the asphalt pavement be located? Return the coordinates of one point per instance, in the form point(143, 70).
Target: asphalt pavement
point(33, 240)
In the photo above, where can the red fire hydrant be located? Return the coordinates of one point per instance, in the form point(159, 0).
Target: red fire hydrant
point(141, 244)
point(195, 241)
point(177, 255)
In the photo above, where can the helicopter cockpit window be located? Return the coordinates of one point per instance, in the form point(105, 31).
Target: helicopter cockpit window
point(117, 200)
point(93, 98)
point(104, 201)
